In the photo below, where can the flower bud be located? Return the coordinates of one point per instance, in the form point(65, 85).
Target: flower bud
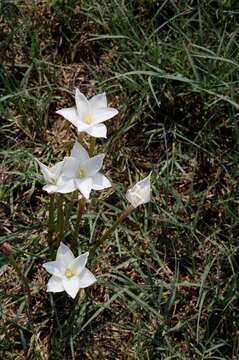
point(140, 193)
point(6, 249)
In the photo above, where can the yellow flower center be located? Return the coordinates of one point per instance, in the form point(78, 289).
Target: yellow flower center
point(69, 273)
point(81, 173)
point(87, 119)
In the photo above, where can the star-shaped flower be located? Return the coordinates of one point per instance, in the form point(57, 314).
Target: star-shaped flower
point(68, 273)
point(82, 172)
point(88, 115)
point(140, 193)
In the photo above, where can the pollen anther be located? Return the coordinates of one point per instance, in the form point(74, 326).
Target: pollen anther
point(81, 172)
point(69, 273)
point(87, 119)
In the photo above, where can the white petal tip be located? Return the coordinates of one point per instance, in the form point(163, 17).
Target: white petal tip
point(72, 296)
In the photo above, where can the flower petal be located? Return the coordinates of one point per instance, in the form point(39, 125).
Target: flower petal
point(79, 263)
point(70, 167)
point(98, 101)
point(140, 193)
point(84, 185)
point(93, 165)
point(82, 127)
point(64, 255)
point(78, 151)
point(86, 278)
point(51, 189)
point(100, 182)
point(65, 186)
point(53, 267)
point(46, 172)
point(71, 285)
point(69, 114)
point(55, 284)
point(100, 115)
point(56, 169)
point(82, 104)
point(98, 131)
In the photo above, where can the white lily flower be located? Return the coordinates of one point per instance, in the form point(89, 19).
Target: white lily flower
point(53, 178)
point(82, 172)
point(140, 193)
point(51, 175)
point(88, 115)
point(68, 273)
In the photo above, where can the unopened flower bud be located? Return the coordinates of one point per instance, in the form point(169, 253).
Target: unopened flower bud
point(6, 249)
point(140, 193)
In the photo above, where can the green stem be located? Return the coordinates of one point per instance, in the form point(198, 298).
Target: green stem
point(92, 146)
point(80, 210)
point(51, 220)
point(125, 213)
point(60, 217)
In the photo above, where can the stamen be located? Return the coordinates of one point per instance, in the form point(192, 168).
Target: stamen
point(69, 273)
point(81, 173)
point(87, 119)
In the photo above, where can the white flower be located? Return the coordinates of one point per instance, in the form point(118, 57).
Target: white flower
point(68, 273)
point(51, 175)
point(82, 172)
point(140, 193)
point(53, 178)
point(88, 116)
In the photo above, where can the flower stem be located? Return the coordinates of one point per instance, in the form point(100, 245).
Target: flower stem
point(80, 210)
point(92, 146)
point(125, 213)
point(51, 220)
point(60, 217)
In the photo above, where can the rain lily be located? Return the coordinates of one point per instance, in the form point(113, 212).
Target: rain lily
point(51, 175)
point(53, 178)
point(88, 115)
point(81, 172)
point(68, 273)
point(140, 193)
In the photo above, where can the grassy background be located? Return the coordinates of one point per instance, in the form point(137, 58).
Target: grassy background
point(168, 278)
